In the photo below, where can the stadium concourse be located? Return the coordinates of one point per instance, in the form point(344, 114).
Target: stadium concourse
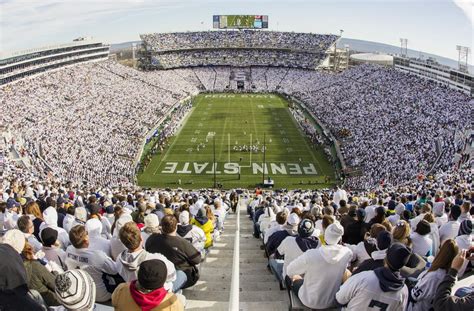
point(81, 235)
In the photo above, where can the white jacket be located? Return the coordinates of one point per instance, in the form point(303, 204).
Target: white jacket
point(449, 231)
point(96, 263)
point(128, 264)
point(96, 241)
point(323, 269)
point(291, 250)
point(422, 244)
point(50, 216)
point(362, 292)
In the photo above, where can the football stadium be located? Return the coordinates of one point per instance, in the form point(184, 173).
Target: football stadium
point(232, 165)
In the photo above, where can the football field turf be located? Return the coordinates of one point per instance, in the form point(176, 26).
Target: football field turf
point(233, 122)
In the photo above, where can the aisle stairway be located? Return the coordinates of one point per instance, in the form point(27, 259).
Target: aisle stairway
point(212, 290)
point(259, 289)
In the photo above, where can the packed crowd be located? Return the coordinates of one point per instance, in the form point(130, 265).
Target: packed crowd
point(399, 249)
point(399, 126)
point(237, 57)
point(73, 249)
point(237, 39)
point(73, 117)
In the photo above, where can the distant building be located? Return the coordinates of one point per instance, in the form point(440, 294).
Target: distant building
point(371, 58)
point(432, 70)
point(19, 65)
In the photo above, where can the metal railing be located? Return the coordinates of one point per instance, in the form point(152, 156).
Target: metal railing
point(234, 286)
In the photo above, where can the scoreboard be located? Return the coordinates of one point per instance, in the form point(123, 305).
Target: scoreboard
point(240, 21)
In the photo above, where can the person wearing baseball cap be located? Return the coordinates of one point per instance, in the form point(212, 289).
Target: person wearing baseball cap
point(382, 288)
point(290, 229)
point(190, 232)
point(147, 292)
point(323, 270)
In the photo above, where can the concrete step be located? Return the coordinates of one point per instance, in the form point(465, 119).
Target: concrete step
point(208, 285)
point(207, 269)
point(215, 295)
point(220, 253)
point(194, 305)
point(270, 285)
point(259, 296)
point(247, 279)
point(263, 306)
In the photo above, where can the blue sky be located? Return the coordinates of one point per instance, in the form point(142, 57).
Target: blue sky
point(434, 26)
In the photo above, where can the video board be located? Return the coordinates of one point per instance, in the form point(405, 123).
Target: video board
point(240, 21)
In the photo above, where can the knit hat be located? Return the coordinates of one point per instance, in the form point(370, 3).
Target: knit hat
point(75, 289)
point(12, 203)
point(184, 218)
point(397, 256)
point(305, 228)
point(384, 239)
point(152, 274)
point(151, 221)
point(423, 227)
point(110, 209)
point(15, 238)
point(333, 233)
point(49, 236)
point(466, 227)
point(360, 213)
point(293, 219)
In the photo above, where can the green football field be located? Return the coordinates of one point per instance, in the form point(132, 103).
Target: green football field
point(233, 123)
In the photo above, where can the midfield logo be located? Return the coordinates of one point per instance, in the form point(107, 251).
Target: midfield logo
point(233, 168)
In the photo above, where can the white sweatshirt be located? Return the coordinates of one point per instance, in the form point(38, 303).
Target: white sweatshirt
point(362, 292)
point(323, 269)
point(96, 263)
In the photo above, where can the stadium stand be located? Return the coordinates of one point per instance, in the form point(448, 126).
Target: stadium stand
point(397, 235)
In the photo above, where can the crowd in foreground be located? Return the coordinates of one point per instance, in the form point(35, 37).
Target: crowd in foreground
point(76, 250)
point(395, 249)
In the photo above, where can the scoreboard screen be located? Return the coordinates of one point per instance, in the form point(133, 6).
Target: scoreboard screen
point(240, 21)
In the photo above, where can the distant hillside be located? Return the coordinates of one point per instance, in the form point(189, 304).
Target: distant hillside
point(355, 45)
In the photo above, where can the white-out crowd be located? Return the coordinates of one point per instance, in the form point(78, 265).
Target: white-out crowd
point(87, 122)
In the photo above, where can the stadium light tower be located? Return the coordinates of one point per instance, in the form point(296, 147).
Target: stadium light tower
point(335, 50)
point(404, 47)
point(463, 55)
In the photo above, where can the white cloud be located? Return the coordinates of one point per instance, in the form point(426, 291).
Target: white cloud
point(467, 7)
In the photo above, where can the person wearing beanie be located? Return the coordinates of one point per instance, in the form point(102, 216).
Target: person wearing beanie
point(147, 292)
point(152, 225)
point(13, 285)
point(176, 249)
point(323, 269)
point(129, 260)
point(423, 293)
point(450, 229)
point(421, 242)
point(356, 231)
point(203, 222)
point(383, 288)
point(190, 232)
point(96, 240)
point(290, 229)
point(292, 247)
point(52, 251)
point(443, 299)
point(50, 216)
point(75, 290)
point(384, 239)
point(99, 266)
